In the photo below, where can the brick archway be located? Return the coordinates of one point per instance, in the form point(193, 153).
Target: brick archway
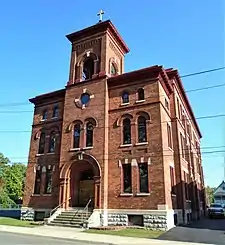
point(79, 162)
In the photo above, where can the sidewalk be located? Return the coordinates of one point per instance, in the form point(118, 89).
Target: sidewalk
point(77, 234)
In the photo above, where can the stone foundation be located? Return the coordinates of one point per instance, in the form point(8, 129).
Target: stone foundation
point(117, 219)
point(152, 219)
point(155, 222)
point(27, 214)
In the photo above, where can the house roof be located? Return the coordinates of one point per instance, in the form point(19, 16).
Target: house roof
point(97, 28)
point(220, 190)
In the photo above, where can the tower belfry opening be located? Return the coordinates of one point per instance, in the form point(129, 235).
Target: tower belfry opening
point(97, 51)
point(88, 69)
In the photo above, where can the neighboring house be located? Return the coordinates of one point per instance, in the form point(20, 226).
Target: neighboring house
point(129, 141)
point(219, 194)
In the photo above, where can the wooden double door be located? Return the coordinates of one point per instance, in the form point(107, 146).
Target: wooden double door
point(82, 188)
point(86, 191)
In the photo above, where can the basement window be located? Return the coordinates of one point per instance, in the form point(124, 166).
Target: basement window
point(135, 220)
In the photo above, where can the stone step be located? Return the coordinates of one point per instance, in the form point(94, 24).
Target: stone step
point(65, 225)
point(69, 219)
point(79, 213)
point(75, 215)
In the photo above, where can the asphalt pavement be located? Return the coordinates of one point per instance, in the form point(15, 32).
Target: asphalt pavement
point(207, 231)
point(7, 238)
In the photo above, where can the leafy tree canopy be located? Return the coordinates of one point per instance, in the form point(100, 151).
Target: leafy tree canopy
point(12, 177)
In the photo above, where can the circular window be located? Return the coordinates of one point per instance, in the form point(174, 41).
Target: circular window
point(85, 98)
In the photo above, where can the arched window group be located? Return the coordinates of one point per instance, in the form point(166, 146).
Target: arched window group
point(55, 113)
point(140, 96)
point(51, 143)
point(83, 134)
point(141, 129)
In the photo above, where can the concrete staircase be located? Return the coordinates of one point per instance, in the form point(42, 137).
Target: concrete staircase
point(72, 218)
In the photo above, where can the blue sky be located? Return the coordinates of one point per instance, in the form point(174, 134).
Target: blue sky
point(34, 58)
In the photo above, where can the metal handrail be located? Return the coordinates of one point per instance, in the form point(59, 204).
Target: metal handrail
point(54, 209)
point(86, 209)
point(77, 211)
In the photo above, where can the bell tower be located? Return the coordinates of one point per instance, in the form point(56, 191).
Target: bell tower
point(96, 51)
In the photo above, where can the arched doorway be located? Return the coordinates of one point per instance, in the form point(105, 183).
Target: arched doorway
point(80, 182)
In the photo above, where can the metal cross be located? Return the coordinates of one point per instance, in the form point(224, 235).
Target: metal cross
point(100, 14)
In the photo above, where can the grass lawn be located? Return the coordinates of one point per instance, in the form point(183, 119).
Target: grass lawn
point(15, 222)
point(141, 233)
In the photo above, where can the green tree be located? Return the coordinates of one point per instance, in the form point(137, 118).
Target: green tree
point(12, 178)
point(209, 193)
point(3, 164)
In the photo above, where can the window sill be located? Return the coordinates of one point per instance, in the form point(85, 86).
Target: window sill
point(47, 195)
point(43, 120)
point(50, 153)
point(139, 101)
point(87, 148)
point(124, 104)
point(126, 194)
point(75, 149)
point(142, 194)
point(141, 143)
point(36, 195)
point(173, 195)
point(54, 118)
point(126, 145)
point(39, 154)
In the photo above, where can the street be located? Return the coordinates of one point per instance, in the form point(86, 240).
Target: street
point(206, 230)
point(19, 239)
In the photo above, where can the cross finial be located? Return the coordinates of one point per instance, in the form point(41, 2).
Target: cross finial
point(100, 14)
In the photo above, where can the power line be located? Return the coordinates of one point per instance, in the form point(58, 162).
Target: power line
point(98, 127)
point(122, 156)
point(187, 75)
point(192, 148)
point(203, 72)
point(205, 88)
point(93, 105)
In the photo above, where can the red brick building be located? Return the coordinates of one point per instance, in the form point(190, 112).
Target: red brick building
point(128, 142)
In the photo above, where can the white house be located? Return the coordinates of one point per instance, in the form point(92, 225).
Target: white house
point(219, 194)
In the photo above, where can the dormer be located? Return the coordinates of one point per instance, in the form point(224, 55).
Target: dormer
point(96, 51)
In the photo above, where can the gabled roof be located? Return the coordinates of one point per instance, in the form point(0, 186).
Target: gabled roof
point(220, 190)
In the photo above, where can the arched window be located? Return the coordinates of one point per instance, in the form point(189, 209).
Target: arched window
point(142, 132)
point(76, 136)
point(44, 115)
point(113, 70)
point(41, 149)
point(55, 112)
point(126, 131)
point(141, 94)
point(89, 134)
point(125, 97)
point(52, 142)
point(88, 69)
